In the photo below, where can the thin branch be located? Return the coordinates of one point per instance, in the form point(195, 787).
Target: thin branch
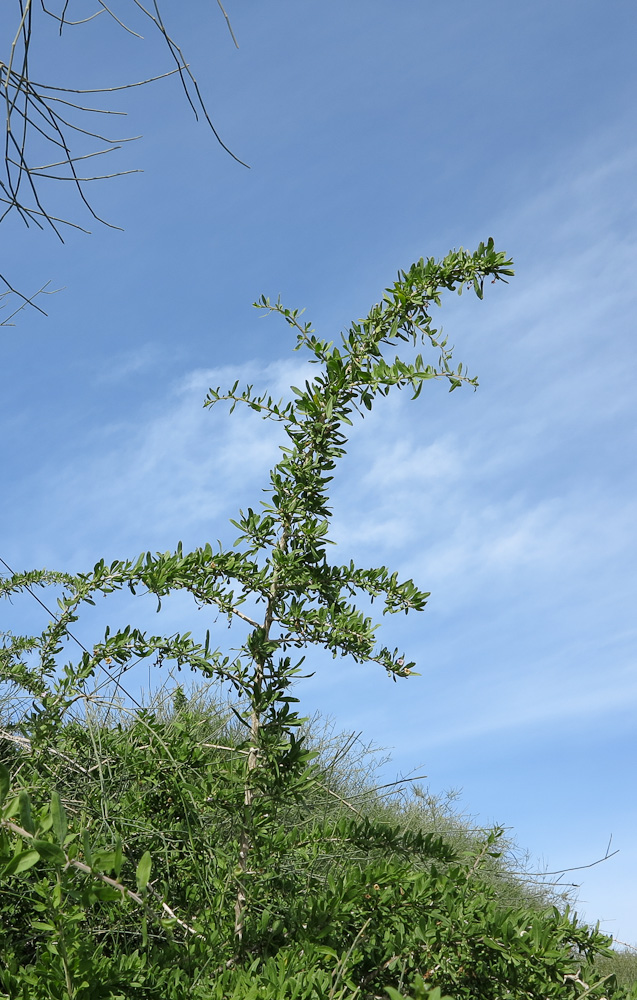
point(116, 18)
point(220, 746)
point(576, 868)
point(93, 111)
point(575, 978)
point(34, 212)
point(62, 20)
point(87, 870)
point(25, 12)
point(86, 156)
point(221, 8)
point(631, 947)
point(401, 781)
point(240, 614)
point(340, 799)
point(31, 117)
point(105, 90)
point(76, 180)
point(55, 618)
point(173, 916)
point(27, 300)
point(340, 968)
point(26, 744)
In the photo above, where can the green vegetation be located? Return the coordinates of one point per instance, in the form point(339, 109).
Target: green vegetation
point(622, 965)
point(220, 850)
point(358, 894)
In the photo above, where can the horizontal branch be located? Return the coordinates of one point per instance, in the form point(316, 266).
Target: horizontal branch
point(87, 870)
point(105, 90)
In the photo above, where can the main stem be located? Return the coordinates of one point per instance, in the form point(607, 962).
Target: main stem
point(255, 729)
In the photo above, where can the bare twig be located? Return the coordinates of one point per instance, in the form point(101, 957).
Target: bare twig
point(34, 123)
point(343, 961)
point(104, 90)
point(25, 743)
point(631, 947)
point(26, 300)
point(575, 978)
point(340, 799)
point(576, 868)
point(220, 746)
point(221, 8)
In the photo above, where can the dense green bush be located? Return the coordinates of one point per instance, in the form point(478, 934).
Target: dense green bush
point(350, 904)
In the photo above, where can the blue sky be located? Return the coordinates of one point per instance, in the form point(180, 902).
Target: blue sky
point(375, 133)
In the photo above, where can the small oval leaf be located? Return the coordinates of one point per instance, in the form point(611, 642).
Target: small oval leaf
point(22, 862)
point(49, 851)
point(143, 871)
point(58, 815)
point(119, 857)
point(26, 819)
point(5, 782)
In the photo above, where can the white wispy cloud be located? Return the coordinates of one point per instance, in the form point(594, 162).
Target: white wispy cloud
point(122, 366)
point(180, 472)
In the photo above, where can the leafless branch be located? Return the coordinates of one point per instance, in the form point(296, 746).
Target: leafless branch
point(221, 8)
point(34, 122)
point(576, 868)
point(25, 300)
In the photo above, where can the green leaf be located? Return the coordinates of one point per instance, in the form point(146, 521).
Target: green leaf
point(86, 848)
point(5, 783)
point(22, 862)
point(104, 861)
point(190, 788)
point(143, 871)
point(49, 851)
point(44, 820)
point(103, 893)
point(12, 807)
point(119, 857)
point(40, 925)
point(58, 814)
point(26, 819)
